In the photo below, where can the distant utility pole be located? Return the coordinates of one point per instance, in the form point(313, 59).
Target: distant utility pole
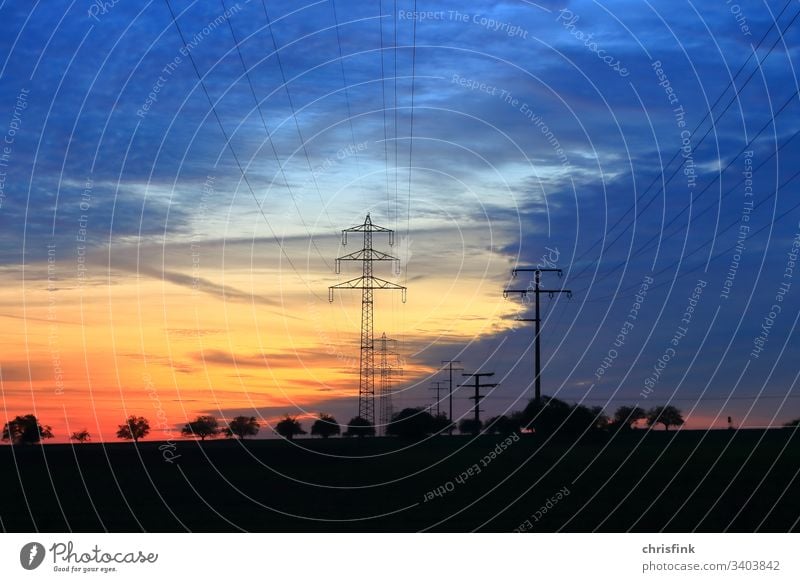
point(367, 283)
point(478, 396)
point(438, 387)
point(537, 338)
point(450, 391)
point(388, 369)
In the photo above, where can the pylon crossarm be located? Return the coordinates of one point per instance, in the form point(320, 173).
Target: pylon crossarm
point(367, 283)
point(351, 284)
point(378, 283)
point(367, 227)
point(367, 254)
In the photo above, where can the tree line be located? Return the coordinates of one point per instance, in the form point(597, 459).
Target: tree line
point(548, 416)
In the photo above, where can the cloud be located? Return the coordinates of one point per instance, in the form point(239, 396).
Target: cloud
point(294, 359)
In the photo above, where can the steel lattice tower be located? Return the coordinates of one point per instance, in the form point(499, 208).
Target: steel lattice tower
point(388, 369)
point(368, 283)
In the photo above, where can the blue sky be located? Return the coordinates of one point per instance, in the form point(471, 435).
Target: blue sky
point(526, 137)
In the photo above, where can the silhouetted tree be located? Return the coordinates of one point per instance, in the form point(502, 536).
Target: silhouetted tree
point(666, 415)
point(26, 430)
point(469, 426)
point(359, 427)
point(81, 436)
point(202, 426)
point(243, 427)
point(289, 427)
point(441, 424)
point(552, 415)
point(792, 423)
point(502, 425)
point(325, 426)
point(412, 423)
point(626, 416)
point(135, 428)
point(546, 416)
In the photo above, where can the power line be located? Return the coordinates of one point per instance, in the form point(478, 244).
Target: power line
point(697, 216)
point(677, 153)
point(269, 137)
point(385, 132)
point(718, 175)
point(396, 175)
point(346, 91)
point(411, 132)
point(233, 152)
point(702, 246)
point(294, 114)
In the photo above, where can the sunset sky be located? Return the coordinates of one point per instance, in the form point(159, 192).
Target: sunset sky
point(150, 267)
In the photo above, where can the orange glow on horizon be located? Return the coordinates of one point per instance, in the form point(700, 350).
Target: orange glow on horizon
point(87, 355)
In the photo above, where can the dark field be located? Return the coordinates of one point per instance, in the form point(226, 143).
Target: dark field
point(691, 480)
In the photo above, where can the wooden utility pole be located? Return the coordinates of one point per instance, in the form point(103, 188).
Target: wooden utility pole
point(537, 291)
point(478, 396)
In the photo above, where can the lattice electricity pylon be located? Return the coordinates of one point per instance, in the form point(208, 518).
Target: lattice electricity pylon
point(368, 283)
point(389, 366)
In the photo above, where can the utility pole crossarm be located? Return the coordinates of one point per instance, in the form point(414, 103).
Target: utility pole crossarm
point(535, 270)
point(524, 292)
